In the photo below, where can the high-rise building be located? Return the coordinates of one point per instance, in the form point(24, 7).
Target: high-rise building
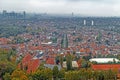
point(13, 15)
point(24, 15)
point(72, 14)
point(92, 23)
point(84, 23)
point(4, 13)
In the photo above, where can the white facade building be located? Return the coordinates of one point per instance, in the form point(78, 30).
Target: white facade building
point(104, 60)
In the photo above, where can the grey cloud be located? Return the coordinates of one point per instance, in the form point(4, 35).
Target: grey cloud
point(87, 7)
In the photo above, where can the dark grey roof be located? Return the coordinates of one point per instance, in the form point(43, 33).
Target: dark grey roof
point(52, 66)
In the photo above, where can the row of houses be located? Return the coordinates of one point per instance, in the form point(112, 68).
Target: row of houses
point(31, 64)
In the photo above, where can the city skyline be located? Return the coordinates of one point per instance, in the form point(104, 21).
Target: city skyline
point(79, 7)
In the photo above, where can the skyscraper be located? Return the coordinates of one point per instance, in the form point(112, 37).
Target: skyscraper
point(24, 15)
point(92, 22)
point(84, 23)
point(4, 13)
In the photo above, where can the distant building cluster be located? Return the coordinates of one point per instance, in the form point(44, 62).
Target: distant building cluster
point(13, 15)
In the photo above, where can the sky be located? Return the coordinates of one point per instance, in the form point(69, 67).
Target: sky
point(81, 7)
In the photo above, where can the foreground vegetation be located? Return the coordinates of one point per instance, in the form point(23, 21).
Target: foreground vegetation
point(9, 71)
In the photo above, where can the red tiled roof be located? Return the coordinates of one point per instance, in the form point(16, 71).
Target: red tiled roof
point(22, 45)
point(82, 50)
point(33, 65)
point(35, 47)
point(87, 50)
point(105, 66)
point(50, 61)
point(102, 46)
point(27, 58)
point(3, 40)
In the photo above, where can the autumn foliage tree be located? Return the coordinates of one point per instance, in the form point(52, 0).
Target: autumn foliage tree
point(19, 75)
point(43, 74)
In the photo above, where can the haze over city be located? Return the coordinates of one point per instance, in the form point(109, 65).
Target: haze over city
point(59, 39)
point(79, 7)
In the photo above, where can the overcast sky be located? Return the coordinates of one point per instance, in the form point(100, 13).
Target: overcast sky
point(83, 7)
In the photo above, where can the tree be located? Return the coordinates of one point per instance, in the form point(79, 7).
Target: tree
point(68, 75)
point(57, 59)
point(3, 54)
point(43, 74)
point(64, 41)
point(6, 67)
point(99, 36)
point(19, 75)
point(69, 62)
point(55, 73)
point(107, 42)
point(61, 74)
point(111, 74)
point(85, 64)
point(7, 76)
point(61, 61)
point(54, 40)
point(72, 75)
point(87, 57)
